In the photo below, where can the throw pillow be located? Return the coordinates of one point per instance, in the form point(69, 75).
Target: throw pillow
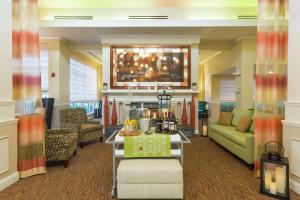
point(237, 114)
point(244, 124)
point(225, 118)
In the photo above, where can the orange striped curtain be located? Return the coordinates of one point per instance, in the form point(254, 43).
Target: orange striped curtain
point(271, 73)
point(27, 88)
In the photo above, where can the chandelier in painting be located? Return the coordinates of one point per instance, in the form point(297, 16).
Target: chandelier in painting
point(145, 66)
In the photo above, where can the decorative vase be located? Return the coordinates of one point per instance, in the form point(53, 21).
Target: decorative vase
point(106, 111)
point(184, 114)
point(114, 117)
point(194, 87)
point(105, 86)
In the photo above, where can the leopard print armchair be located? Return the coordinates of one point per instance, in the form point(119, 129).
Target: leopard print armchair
point(76, 120)
point(60, 145)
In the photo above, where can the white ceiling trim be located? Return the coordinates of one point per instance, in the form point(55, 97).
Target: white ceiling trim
point(150, 39)
point(149, 23)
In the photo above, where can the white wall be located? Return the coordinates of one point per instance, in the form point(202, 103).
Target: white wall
point(8, 123)
point(150, 40)
point(291, 124)
point(242, 57)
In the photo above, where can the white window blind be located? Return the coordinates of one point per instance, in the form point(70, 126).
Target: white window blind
point(44, 57)
point(83, 82)
point(227, 90)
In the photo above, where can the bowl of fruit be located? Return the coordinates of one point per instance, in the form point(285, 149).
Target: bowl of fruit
point(130, 128)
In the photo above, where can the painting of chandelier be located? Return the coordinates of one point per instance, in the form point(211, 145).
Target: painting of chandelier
point(145, 65)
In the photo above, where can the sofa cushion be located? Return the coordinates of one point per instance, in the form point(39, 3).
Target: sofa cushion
point(150, 171)
point(225, 118)
point(230, 133)
point(237, 114)
point(244, 124)
point(84, 126)
point(89, 128)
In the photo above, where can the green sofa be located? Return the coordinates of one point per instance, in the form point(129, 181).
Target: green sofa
point(240, 144)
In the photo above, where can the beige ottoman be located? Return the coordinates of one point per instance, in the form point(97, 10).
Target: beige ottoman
point(150, 179)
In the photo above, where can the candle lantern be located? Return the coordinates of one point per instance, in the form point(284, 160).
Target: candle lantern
point(274, 171)
point(164, 102)
point(164, 109)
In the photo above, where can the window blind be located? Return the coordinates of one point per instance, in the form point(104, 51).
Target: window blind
point(227, 90)
point(83, 82)
point(44, 57)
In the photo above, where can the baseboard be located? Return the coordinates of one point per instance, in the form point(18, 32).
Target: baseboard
point(7, 181)
point(295, 186)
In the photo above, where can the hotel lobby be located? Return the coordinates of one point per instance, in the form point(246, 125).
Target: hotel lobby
point(139, 99)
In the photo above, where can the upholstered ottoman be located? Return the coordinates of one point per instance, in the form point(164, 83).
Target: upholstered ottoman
point(150, 179)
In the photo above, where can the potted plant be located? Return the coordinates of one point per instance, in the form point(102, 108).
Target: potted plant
point(194, 86)
point(105, 86)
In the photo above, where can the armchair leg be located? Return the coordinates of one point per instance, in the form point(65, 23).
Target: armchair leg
point(101, 139)
point(81, 145)
point(250, 167)
point(75, 152)
point(66, 163)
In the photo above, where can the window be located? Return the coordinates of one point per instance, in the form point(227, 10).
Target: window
point(83, 86)
point(227, 90)
point(44, 64)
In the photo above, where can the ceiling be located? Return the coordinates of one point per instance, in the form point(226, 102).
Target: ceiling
point(144, 3)
point(88, 32)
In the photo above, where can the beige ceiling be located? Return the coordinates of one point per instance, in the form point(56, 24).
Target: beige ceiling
point(174, 9)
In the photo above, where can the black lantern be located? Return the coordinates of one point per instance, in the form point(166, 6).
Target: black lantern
point(164, 102)
point(274, 172)
point(164, 107)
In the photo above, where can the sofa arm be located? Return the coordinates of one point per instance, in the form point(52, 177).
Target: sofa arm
point(72, 127)
point(212, 121)
point(250, 148)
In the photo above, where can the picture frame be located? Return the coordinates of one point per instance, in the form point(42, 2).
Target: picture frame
point(148, 66)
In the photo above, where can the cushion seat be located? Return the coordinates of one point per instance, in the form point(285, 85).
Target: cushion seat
point(150, 179)
point(86, 128)
point(232, 134)
point(150, 171)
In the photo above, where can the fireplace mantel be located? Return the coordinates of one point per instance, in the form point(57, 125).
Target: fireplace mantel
point(146, 95)
point(115, 91)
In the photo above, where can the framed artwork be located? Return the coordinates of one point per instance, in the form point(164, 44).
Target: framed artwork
point(146, 66)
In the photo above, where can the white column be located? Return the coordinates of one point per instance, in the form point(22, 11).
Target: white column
point(59, 83)
point(291, 124)
point(8, 123)
point(247, 73)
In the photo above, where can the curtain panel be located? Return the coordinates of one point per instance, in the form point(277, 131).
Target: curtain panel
point(271, 73)
point(27, 88)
